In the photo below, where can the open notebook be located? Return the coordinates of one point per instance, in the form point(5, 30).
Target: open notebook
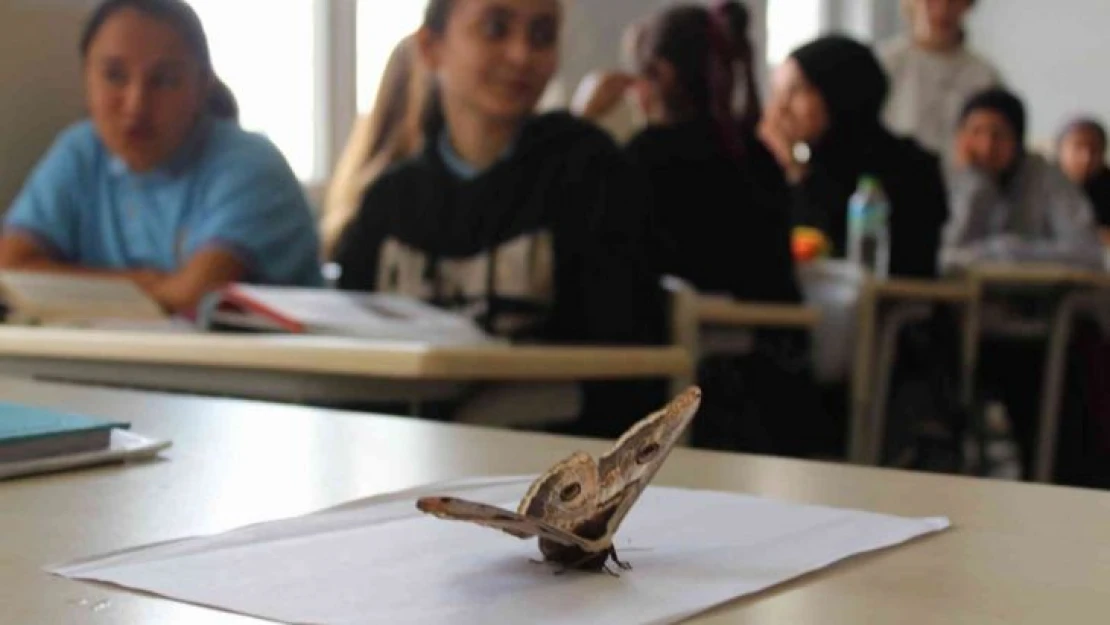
point(337, 313)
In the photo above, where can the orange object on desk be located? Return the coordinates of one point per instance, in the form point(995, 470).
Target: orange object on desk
point(808, 244)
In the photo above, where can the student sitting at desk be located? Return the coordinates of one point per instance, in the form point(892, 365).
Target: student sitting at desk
point(154, 187)
point(821, 128)
point(1082, 154)
point(1009, 205)
point(534, 225)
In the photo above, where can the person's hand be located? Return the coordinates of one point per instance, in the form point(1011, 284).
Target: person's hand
point(1104, 233)
point(152, 282)
point(962, 155)
point(777, 134)
point(600, 93)
point(146, 279)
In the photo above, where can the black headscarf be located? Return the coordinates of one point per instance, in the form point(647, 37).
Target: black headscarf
point(854, 87)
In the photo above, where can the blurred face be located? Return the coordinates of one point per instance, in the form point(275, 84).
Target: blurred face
point(987, 142)
point(145, 91)
point(939, 21)
point(496, 56)
point(1082, 154)
point(798, 107)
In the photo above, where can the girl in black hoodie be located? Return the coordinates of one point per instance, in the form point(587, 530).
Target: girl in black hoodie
point(717, 225)
point(531, 224)
point(721, 227)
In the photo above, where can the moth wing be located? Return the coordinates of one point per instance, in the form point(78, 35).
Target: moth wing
point(566, 494)
point(638, 454)
point(512, 523)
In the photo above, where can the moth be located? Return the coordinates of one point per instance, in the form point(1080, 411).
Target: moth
point(576, 506)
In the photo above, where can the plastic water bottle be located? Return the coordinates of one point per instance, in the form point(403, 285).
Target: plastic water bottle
point(868, 227)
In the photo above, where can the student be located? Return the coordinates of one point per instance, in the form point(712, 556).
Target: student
point(719, 227)
point(603, 97)
point(1082, 153)
point(153, 187)
point(822, 130)
point(933, 72)
point(1009, 205)
point(390, 133)
point(531, 224)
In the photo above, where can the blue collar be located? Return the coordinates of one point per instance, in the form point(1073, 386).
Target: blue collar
point(459, 167)
point(184, 156)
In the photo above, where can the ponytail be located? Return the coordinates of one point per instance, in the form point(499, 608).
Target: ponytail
point(747, 104)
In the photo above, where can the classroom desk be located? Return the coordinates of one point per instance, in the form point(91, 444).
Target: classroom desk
point(886, 308)
point(1079, 292)
point(311, 368)
point(1018, 553)
point(723, 311)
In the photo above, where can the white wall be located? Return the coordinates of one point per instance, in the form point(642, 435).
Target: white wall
point(40, 90)
point(1055, 53)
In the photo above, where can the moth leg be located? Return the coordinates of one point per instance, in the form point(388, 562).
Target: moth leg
point(587, 563)
point(624, 566)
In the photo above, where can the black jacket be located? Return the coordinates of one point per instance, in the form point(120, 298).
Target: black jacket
point(717, 225)
point(549, 244)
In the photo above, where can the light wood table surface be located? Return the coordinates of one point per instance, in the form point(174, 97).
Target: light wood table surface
point(724, 311)
point(1018, 554)
point(305, 368)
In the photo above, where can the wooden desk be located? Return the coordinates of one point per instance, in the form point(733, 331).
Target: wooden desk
point(716, 310)
point(886, 308)
point(1075, 291)
point(304, 368)
point(1017, 554)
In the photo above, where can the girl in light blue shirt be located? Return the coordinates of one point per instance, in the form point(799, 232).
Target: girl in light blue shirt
point(153, 186)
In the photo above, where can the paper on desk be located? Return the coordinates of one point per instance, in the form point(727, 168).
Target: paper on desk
point(380, 561)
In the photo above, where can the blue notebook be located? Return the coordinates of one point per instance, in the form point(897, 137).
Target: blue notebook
point(28, 433)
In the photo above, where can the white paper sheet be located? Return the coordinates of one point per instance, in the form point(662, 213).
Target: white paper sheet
point(380, 561)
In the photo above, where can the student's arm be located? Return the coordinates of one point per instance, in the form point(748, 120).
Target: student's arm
point(207, 271)
point(254, 225)
point(23, 251)
point(967, 238)
point(42, 227)
point(600, 93)
point(1074, 239)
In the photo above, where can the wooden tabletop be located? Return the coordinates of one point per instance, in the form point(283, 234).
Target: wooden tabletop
point(1037, 274)
point(1017, 554)
point(910, 289)
point(719, 310)
point(343, 356)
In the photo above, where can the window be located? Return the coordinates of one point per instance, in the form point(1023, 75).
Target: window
point(267, 53)
point(381, 25)
point(790, 23)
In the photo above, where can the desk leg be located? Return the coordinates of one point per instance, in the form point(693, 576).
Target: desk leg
point(1052, 386)
point(894, 321)
point(862, 369)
